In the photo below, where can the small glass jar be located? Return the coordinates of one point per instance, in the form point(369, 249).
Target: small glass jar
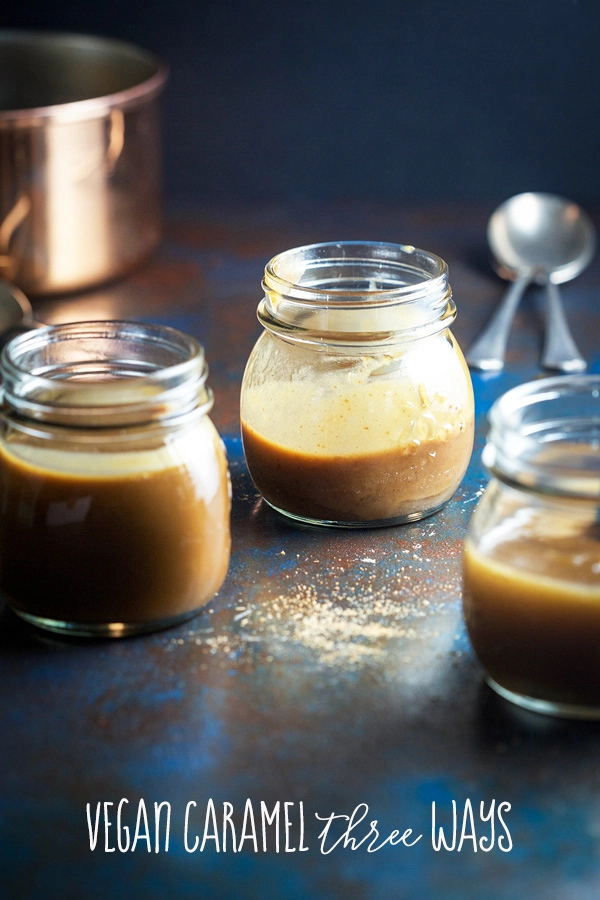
point(114, 487)
point(356, 404)
point(532, 558)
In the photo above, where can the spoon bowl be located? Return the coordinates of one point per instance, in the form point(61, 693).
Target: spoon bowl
point(542, 234)
point(536, 238)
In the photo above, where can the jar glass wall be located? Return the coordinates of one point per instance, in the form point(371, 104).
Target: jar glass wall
point(532, 558)
point(114, 489)
point(356, 404)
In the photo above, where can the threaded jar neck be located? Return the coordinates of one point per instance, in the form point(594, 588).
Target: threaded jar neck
point(545, 436)
point(356, 291)
point(107, 374)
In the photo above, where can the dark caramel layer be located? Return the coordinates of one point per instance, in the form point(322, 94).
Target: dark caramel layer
point(132, 549)
point(537, 631)
point(369, 487)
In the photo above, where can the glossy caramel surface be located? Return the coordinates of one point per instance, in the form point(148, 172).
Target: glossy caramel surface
point(532, 611)
point(130, 537)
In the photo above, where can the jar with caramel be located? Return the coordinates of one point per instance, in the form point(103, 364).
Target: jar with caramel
point(532, 558)
point(356, 404)
point(114, 487)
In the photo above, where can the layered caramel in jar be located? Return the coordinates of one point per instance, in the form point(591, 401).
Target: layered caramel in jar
point(356, 405)
point(357, 447)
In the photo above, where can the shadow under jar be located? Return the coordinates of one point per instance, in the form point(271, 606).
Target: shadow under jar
point(114, 487)
point(356, 403)
point(532, 558)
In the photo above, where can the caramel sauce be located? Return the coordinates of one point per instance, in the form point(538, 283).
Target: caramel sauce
point(532, 610)
point(364, 442)
point(396, 483)
point(144, 538)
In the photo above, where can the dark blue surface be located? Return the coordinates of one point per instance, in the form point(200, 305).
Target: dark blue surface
point(333, 669)
point(395, 721)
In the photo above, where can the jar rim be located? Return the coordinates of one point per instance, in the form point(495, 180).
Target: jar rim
point(429, 265)
point(545, 435)
point(348, 290)
point(106, 372)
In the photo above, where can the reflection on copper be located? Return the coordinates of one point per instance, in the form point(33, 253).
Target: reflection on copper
point(11, 223)
point(98, 306)
point(79, 179)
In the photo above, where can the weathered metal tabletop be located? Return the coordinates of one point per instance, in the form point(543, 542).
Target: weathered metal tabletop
point(332, 671)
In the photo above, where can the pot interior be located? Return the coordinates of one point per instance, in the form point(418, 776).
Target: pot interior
point(39, 70)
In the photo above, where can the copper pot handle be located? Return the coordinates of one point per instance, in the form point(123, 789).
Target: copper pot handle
point(116, 142)
point(14, 218)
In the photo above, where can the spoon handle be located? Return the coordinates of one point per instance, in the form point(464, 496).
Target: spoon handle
point(489, 349)
point(560, 351)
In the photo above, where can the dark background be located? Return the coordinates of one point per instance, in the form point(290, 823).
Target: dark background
point(323, 99)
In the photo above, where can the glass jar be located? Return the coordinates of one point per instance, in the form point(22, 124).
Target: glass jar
point(114, 488)
point(356, 404)
point(532, 558)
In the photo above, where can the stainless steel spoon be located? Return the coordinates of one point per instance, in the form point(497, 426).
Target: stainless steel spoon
point(541, 238)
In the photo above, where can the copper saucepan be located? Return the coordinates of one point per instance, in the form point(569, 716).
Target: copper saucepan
point(79, 159)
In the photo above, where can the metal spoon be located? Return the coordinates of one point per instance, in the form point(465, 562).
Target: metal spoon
point(540, 238)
